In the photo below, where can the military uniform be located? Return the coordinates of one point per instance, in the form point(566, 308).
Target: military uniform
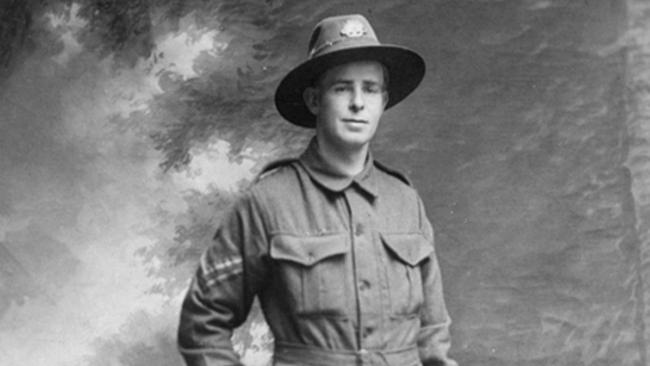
point(344, 268)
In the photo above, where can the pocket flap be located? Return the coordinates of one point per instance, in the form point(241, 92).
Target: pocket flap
point(411, 248)
point(308, 250)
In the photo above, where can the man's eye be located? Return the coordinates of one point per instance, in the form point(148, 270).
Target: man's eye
point(374, 89)
point(341, 88)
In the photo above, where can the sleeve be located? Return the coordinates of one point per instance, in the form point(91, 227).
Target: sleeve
point(229, 275)
point(434, 339)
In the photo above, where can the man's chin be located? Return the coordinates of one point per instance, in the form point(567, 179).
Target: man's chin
point(354, 142)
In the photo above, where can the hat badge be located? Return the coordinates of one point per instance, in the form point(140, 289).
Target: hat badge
point(353, 28)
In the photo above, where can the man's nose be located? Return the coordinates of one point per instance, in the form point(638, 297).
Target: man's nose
point(356, 101)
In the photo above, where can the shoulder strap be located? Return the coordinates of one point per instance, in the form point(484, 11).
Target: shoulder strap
point(272, 166)
point(397, 174)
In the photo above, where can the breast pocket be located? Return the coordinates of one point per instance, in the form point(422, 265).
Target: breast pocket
point(312, 271)
point(406, 251)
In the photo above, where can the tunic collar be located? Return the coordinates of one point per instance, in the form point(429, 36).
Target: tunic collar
point(325, 174)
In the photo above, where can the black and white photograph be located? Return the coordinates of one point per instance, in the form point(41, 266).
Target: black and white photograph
point(324, 183)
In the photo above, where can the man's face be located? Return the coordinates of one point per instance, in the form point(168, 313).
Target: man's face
point(348, 102)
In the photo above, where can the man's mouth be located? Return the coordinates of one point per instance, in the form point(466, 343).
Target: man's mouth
point(354, 120)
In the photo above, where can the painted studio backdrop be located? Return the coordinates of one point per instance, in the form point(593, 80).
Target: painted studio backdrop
point(127, 127)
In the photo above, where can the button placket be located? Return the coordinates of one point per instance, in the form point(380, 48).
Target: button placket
point(366, 263)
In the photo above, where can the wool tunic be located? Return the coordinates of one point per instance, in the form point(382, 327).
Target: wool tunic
point(344, 268)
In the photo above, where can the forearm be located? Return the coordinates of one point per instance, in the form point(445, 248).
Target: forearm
point(210, 357)
point(204, 332)
point(433, 345)
point(434, 338)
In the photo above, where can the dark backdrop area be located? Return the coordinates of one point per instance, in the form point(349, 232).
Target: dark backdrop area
point(127, 127)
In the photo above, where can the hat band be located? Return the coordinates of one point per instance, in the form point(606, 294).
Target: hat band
point(325, 45)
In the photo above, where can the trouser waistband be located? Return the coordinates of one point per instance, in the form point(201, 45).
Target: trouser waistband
point(289, 353)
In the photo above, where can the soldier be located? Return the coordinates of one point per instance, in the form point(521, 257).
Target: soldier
point(336, 246)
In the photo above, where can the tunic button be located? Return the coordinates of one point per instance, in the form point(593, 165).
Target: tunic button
point(359, 229)
point(368, 331)
point(364, 284)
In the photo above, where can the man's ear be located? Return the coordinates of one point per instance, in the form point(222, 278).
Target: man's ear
point(385, 97)
point(311, 98)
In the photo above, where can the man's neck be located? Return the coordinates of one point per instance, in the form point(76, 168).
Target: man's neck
point(348, 162)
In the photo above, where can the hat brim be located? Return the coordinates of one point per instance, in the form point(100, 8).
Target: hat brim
point(405, 69)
